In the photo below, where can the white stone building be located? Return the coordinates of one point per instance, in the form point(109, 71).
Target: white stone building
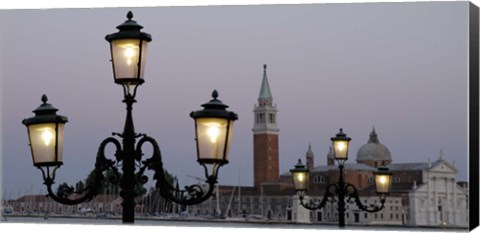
point(439, 200)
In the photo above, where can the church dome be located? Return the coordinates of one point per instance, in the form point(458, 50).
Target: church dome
point(373, 150)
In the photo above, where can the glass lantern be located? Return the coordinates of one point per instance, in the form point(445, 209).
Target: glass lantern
point(45, 134)
point(383, 180)
point(128, 49)
point(340, 146)
point(300, 175)
point(213, 131)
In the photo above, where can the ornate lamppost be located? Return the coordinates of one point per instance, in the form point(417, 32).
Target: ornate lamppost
point(213, 131)
point(300, 176)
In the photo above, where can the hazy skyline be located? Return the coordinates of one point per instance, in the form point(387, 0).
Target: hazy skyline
point(401, 67)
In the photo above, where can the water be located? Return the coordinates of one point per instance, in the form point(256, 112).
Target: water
point(36, 223)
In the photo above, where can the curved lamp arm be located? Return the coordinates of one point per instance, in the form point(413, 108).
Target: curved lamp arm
point(370, 208)
point(329, 195)
point(191, 195)
point(102, 164)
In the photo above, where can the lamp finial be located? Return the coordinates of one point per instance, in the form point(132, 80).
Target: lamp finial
point(215, 94)
point(129, 15)
point(44, 98)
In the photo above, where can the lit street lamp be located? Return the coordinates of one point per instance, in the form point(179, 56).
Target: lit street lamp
point(213, 130)
point(300, 175)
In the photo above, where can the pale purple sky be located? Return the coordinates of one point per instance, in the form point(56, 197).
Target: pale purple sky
point(401, 67)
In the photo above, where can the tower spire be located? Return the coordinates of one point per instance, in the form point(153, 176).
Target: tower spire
point(330, 157)
point(309, 157)
point(373, 136)
point(265, 97)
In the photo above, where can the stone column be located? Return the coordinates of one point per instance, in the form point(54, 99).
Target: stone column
point(447, 200)
point(429, 203)
point(435, 200)
point(455, 209)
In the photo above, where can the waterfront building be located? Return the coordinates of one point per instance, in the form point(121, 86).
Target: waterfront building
point(43, 205)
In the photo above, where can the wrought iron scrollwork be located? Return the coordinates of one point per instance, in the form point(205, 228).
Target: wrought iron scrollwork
point(67, 194)
point(353, 194)
point(190, 195)
point(328, 196)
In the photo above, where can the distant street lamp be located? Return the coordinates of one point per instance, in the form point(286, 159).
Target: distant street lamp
point(213, 130)
point(300, 176)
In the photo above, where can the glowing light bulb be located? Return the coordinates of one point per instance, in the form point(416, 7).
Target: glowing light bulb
point(341, 146)
point(382, 180)
point(47, 136)
point(213, 133)
point(300, 177)
point(129, 54)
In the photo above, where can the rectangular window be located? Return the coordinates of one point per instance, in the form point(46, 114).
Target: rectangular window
point(356, 217)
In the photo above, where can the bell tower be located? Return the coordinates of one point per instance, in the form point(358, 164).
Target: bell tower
point(265, 136)
point(309, 158)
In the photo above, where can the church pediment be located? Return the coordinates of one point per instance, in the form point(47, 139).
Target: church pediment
point(443, 166)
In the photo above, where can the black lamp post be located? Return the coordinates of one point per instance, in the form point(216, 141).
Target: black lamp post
point(300, 175)
point(213, 130)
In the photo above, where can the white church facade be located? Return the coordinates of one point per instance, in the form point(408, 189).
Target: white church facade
point(439, 200)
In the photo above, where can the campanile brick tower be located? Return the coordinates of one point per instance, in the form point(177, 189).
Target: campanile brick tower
point(265, 136)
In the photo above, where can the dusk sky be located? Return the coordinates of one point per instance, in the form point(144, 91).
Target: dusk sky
point(401, 67)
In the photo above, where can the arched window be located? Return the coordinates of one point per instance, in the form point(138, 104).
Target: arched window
point(260, 118)
point(318, 179)
point(271, 118)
